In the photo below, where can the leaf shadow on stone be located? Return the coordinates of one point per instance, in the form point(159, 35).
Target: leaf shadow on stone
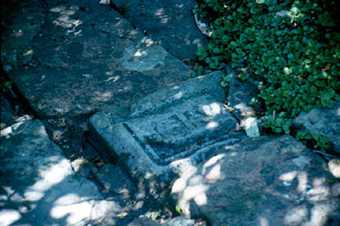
point(39, 186)
point(260, 182)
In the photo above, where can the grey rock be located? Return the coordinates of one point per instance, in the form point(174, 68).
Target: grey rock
point(324, 121)
point(168, 130)
point(260, 181)
point(171, 23)
point(250, 126)
point(74, 57)
point(39, 187)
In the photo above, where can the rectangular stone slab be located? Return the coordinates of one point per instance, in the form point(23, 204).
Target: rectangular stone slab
point(39, 186)
point(158, 140)
point(169, 22)
point(76, 57)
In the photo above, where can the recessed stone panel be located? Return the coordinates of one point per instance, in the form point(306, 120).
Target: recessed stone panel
point(171, 132)
point(181, 129)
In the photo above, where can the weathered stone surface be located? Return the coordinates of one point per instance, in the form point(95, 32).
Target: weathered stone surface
point(177, 221)
point(169, 22)
point(39, 187)
point(334, 167)
point(168, 129)
point(18, 38)
point(74, 57)
point(260, 181)
point(180, 221)
point(323, 121)
point(143, 221)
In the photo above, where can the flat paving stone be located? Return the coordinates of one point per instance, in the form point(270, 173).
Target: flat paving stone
point(260, 181)
point(178, 221)
point(323, 121)
point(168, 129)
point(171, 23)
point(75, 57)
point(38, 185)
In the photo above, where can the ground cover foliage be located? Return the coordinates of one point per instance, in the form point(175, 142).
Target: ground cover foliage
point(291, 49)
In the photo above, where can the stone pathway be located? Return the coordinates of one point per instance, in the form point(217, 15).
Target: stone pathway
point(181, 139)
point(79, 56)
point(39, 186)
point(72, 58)
point(160, 141)
point(170, 23)
point(169, 129)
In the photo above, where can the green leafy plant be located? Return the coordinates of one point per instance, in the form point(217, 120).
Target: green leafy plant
point(316, 140)
point(278, 124)
point(291, 47)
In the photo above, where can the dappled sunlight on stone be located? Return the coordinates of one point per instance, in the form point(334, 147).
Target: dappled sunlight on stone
point(212, 168)
point(42, 188)
point(334, 167)
point(256, 185)
point(319, 215)
point(296, 216)
point(140, 58)
point(214, 173)
point(8, 131)
point(49, 177)
point(64, 19)
point(212, 125)
point(170, 23)
point(77, 209)
point(178, 95)
point(288, 177)
point(191, 186)
point(160, 13)
point(302, 182)
point(263, 221)
point(212, 109)
point(319, 191)
point(103, 96)
point(7, 217)
point(139, 53)
point(188, 190)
